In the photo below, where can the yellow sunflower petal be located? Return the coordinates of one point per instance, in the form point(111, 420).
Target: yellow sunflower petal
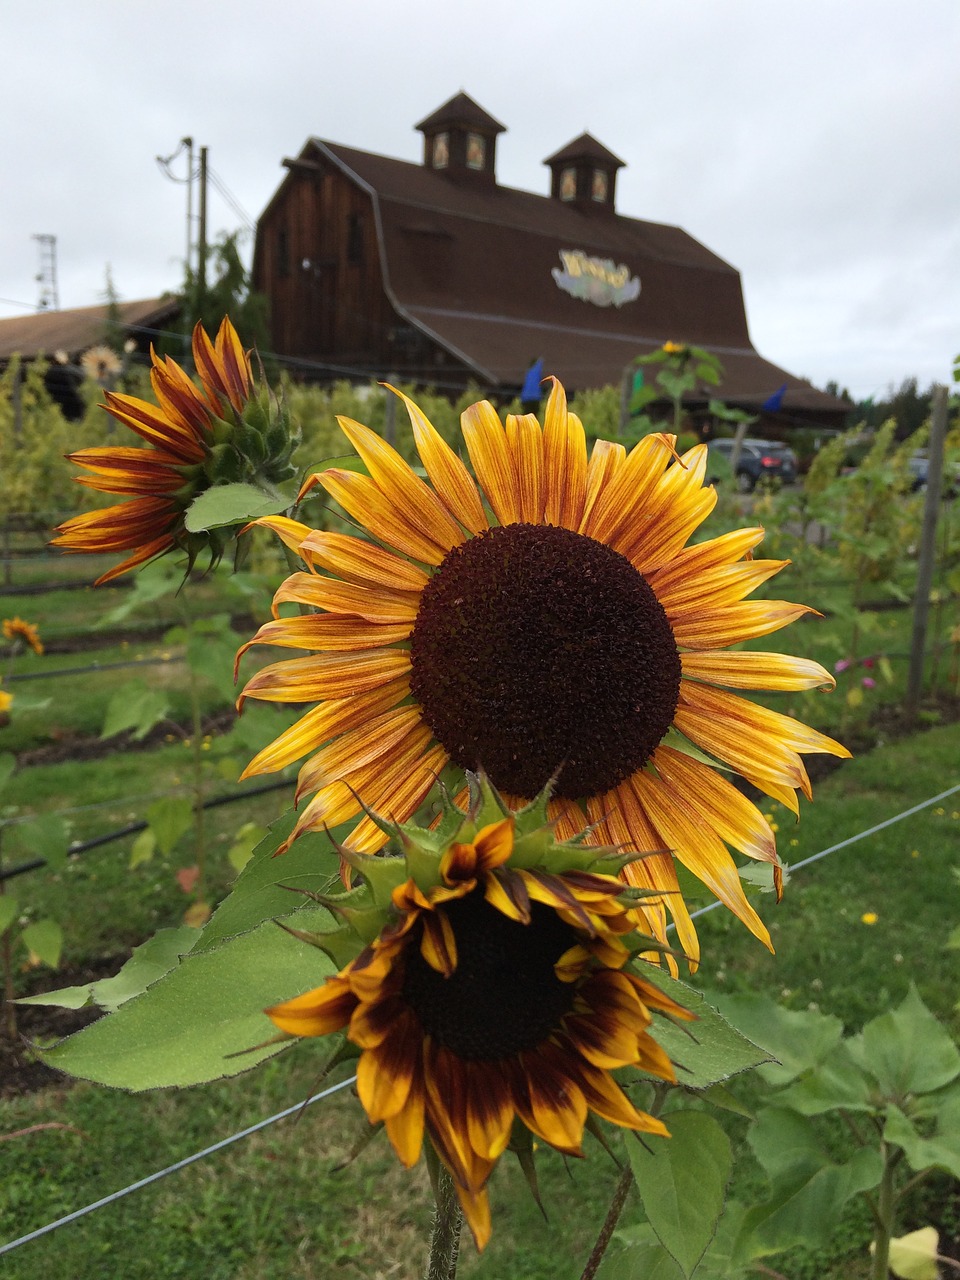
point(565, 462)
point(487, 446)
point(322, 632)
point(717, 628)
point(489, 1109)
point(717, 803)
point(402, 796)
point(605, 1097)
point(385, 1074)
point(697, 847)
point(155, 426)
point(724, 585)
point(418, 503)
point(525, 443)
point(494, 844)
point(438, 946)
point(323, 722)
point(326, 675)
point(476, 1214)
point(374, 740)
point(449, 477)
point(356, 560)
point(606, 461)
point(620, 504)
point(558, 1109)
point(693, 563)
point(361, 498)
point(371, 604)
point(317, 1012)
point(405, 1129)
point(290, 532)
point(774, 671)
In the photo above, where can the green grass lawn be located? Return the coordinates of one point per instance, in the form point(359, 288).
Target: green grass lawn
point(274, 1206)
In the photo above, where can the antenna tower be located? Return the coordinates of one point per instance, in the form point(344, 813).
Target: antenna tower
point(47, 276)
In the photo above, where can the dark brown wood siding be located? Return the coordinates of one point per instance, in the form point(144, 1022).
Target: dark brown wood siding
point(317, 261)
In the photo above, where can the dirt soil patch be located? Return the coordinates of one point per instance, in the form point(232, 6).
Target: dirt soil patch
point(21, 1071)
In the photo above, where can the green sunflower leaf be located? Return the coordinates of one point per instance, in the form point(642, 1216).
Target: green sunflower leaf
point(708, 1050)
point(183, 1028)
point(805, 1209)
point(45, 941)
point(44, 836)
point(799, 1039)
point(149, 962)
point(169, 819)
point(230, 504)
point(682, 1182)
point(134, 707)
point(907, 1050)
point(263, 889)
point(941, 1151)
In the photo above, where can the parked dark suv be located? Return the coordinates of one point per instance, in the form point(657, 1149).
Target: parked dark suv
point(758, 458)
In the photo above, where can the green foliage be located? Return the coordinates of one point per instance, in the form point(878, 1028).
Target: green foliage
point(227, 291)
point(682, 1181)
point(35, 479)
point(201, 1021)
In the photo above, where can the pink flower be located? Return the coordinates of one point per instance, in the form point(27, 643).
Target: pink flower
point(841, 665)
point(868, 682)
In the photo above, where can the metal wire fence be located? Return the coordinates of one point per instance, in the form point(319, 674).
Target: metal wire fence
point(216, 1147)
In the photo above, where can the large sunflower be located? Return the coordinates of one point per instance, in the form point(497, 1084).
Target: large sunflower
point(559, 624)
point(496, 985)
point(164, 477)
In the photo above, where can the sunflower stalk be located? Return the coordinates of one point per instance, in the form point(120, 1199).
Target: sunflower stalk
point(624, 1183)
point(447, 1226)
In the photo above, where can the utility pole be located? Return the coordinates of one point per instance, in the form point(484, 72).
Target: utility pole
point(202, 236)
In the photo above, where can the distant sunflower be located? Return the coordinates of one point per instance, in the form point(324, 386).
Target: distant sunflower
point(6, 702)
point(565, 628)
point(101, 363)
point(497, 987)
point(165, 477)
point(16, 628)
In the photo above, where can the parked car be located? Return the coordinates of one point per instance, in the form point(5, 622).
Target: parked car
point(758, 459)
point(918, 465)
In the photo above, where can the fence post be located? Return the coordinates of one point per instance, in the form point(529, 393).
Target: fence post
point(926, 556)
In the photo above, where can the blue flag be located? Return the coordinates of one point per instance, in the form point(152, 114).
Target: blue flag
point(773, 403)
point(531, 383)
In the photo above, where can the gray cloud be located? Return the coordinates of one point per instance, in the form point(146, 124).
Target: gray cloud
point(813, 146)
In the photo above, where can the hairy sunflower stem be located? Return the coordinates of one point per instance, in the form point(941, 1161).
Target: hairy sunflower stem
point(447, 1224)
point(660, 1094)
point(884, 1232)
point(609, 1223)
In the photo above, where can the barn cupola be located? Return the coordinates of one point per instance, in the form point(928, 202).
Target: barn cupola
point(460, 140)
point(584, 173)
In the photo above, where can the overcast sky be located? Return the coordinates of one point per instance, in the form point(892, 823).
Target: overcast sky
point(813, 144)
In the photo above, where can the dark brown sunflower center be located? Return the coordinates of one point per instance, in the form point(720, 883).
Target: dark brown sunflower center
point(503, 997)
point(536, 647)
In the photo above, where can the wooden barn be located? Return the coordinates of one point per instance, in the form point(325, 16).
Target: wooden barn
point(437, 273)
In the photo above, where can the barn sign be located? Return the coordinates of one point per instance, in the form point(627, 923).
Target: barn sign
point(596, 280)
